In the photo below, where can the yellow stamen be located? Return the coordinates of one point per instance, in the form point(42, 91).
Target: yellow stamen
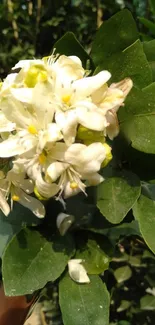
point(15, 198)
point(66, 98)
point(42, 158)
point(73, 185)
point(32, 129)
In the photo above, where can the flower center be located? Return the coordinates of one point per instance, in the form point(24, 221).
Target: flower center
point(42, 158)
point(73, 185)
point(66, 99)
point(35, 74)
point(32, 129)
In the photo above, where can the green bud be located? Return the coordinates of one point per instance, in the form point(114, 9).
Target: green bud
point(108, 155)
point(89, 136)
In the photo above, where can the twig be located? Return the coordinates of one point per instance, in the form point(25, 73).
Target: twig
point(99, 13)
point(14, 23)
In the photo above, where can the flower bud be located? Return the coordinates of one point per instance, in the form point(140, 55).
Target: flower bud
point(89, 136)
point(108, 157)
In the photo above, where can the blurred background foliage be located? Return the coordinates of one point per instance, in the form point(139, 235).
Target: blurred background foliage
point(30, 28)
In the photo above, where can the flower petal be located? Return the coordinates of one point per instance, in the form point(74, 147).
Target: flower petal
point(64, 222)
point(24, 95)
point(86, 86)
point(27, 63)
point(4, 206)
point(47, 190)
point(112, 129)
point(5, 125)
point(13, 146)
point(93, 179)
point(9, 81)
point(87, 159)
point(93, 120)
point(43, 102)
point(53, 133)
point(67, 121)
point(55, 170)
point(30, 202)
point(77, 271)
point(15, 112)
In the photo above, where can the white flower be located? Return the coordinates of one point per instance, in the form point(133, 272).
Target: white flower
point(73, 105)
point(108, 101)
point(71, 165)
point(67, 90)
point(35, 167)
point(77, 271)
point(16, 186)
point(66, 69)
point(32, 125)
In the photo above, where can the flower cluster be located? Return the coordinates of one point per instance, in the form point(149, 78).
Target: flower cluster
point(54, 120)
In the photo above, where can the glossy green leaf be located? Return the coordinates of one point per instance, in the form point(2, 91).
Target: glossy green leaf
point(144, 211)
point(149, 49)
point(137, 119)
point(147, 302)
point(95, 260)
point(117, 195)
point(22, 216)
point(32, 261)
point(86, 304)
point(114, 36)
point(123, 273)
point(132, 63)
point(69, 45)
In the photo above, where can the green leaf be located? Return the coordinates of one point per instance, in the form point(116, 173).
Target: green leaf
point(152, 5)
point(114, 36)
point(95, 260)
point(147, 302)
point(149, 49)
point(69, 45)
point(144, 211)
point(125, 304)
point(86, 304)
point(116, 196)
point(32, 261)
point(6, 232)
point(131, 63)
point(123, 273)
point(137, 119)
point(22, 216)
point(122, 230)
point(148, 23)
